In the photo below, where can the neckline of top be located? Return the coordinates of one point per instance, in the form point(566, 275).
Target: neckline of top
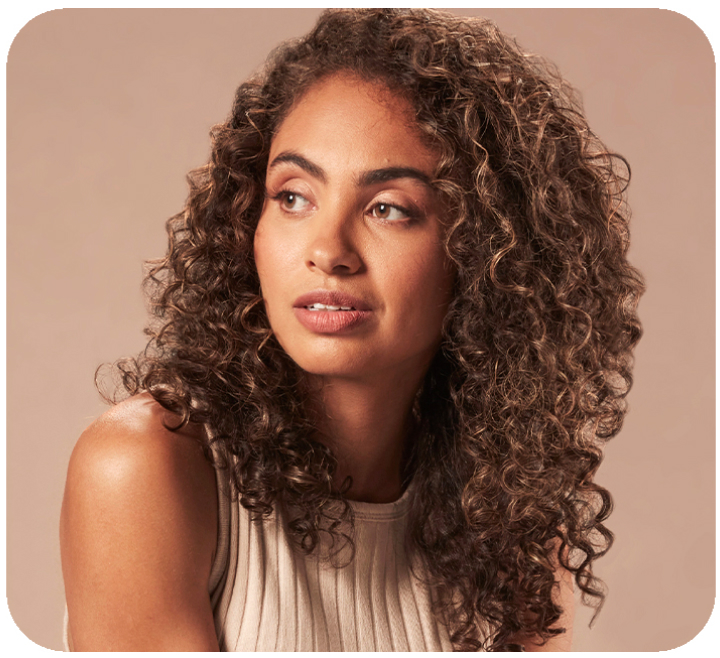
point(383, 511)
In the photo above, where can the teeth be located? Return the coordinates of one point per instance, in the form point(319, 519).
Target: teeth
point(324, 307)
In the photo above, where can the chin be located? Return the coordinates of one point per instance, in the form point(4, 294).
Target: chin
point(331, 357)
point(328, 365)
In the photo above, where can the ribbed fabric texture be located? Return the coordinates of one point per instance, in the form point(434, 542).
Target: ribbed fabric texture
point(268, 597)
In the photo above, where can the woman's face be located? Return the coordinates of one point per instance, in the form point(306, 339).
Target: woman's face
point(349, 244)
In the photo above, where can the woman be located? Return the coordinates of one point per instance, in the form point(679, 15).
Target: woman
point(393, 329)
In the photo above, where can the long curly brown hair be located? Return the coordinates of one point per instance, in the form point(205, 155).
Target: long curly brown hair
point(535, 362)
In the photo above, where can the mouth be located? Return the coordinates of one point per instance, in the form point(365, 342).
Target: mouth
point(331, 312)
point(331, 300)
point(323, 307)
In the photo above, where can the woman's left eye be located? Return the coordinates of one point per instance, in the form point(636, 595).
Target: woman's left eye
point(389, 213)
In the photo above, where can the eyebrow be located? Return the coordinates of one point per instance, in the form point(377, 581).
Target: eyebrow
point(372, 177)
point(391, 173)
point(295, 158)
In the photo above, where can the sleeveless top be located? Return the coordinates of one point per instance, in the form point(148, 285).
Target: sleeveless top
point(267, 596)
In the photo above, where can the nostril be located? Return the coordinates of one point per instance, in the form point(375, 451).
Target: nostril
point(340, 261)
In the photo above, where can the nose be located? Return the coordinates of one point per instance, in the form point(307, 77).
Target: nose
point(332, 248)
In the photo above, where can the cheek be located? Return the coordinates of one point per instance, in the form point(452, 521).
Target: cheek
point(430, 274)
point(422, 287)
point(259, 249)
point(267, 269)
point(268, 256)
point(276, 259)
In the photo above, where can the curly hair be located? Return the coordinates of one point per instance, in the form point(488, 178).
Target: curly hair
point(536, 355)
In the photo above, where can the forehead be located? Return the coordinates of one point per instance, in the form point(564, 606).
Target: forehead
point(345, 118)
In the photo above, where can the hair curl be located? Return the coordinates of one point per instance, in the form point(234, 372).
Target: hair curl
point(535, 361)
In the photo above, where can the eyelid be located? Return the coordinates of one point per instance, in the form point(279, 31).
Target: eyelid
point(390, 206)
point(409, 213)
point(287, 181)
point(285, 192)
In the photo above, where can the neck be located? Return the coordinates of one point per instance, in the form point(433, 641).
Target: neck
point(367, 425)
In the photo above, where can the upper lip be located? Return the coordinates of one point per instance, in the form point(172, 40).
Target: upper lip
point(331, 298)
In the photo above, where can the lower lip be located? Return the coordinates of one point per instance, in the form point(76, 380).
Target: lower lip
point(330, 322)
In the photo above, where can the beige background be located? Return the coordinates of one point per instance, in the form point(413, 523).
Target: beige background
point(107, 111)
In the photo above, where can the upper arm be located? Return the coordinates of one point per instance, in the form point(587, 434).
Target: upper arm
point(138, 531)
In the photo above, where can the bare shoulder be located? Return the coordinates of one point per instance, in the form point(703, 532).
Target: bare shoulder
point(132, 439)
point(129, 457)
point(138, 531)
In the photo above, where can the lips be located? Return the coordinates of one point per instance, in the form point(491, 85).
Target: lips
point(333, 298)
point(331, 312)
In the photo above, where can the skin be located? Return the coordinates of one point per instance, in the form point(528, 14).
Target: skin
point(349, 208)
point(138, 531)
point(139, 518)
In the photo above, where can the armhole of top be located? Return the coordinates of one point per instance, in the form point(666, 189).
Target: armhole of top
point(220, 561)
point(67, 639)
point(222, 548)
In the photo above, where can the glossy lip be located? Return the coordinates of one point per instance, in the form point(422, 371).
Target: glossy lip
point(331, 298)
point(331, 322)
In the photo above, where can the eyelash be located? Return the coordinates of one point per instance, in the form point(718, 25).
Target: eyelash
point(282, 195)
point(410, 215)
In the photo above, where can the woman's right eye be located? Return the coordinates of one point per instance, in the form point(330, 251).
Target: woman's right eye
point(292, 201)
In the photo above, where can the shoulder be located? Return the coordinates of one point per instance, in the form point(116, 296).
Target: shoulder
point(138, 525)
point(131, 442)
point(128, 462)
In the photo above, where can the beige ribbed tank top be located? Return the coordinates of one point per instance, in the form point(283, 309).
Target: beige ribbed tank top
point(266, 596)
